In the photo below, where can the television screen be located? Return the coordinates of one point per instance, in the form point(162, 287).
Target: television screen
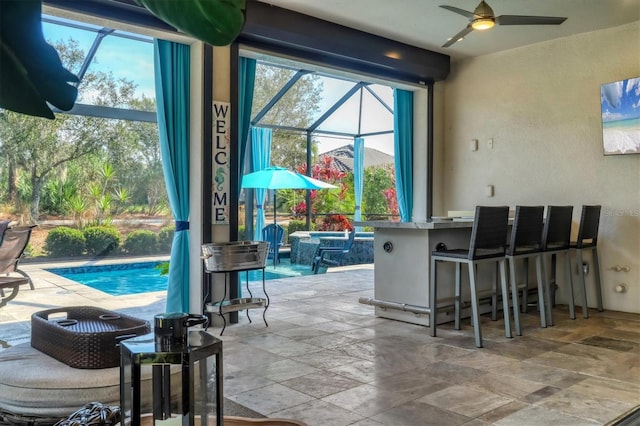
point(620, 106)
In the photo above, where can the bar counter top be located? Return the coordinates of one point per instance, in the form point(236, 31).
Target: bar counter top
point(439, 224)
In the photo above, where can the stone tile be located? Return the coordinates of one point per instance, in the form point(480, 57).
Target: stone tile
point(541, 394)
point(523, 348)
point(366, 400)
point(475, 422)
point(466, 401)
point(538, 416)
point(452, 373)
point(319, 413)
point(363, 371)
point(610, 389)
point(502, 411)
point(241, 381)
point(368, 422)
point(567, 362)
point(329, 341)
point(271, 399)
point(484, 361)
point(578, 404)
point(610, 343)
point(541, 373)
point(415, 413)
point(625, 335)
point(507, 386)
point(294, 348)
point(326, 359)
point(299, 333)
point(598, 353)
point(321, 384)
point(282, 370)
point(414, 384)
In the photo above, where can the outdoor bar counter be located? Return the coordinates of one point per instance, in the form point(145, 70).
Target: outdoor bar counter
point(402, 254)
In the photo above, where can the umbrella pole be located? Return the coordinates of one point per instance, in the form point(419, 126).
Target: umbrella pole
point(275, 228)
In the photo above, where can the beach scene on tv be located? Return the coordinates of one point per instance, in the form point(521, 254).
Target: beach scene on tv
point(620, 105)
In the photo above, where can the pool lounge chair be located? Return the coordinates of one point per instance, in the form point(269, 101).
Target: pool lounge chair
point(14, 242)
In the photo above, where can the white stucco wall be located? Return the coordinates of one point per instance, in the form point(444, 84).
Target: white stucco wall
point(541, 106)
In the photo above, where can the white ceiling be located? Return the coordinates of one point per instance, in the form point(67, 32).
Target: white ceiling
point(424, 24)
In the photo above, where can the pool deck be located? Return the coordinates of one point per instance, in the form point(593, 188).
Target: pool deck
point(54, 291)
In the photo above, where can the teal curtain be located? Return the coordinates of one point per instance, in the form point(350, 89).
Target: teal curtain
point(358, 176)
point(172, 81)
point(403, 146)
point(246, 82)
point(261, 159)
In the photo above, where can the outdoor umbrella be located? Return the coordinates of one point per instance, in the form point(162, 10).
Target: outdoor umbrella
point(280, 178)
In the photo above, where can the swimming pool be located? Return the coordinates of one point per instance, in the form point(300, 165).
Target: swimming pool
point(144, 277)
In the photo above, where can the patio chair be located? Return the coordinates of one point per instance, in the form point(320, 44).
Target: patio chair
point(274, 234)
point(4, 224)
point(14, 242)
point(336, 254)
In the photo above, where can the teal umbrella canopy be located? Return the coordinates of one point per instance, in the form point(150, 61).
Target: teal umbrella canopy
point(281, 178)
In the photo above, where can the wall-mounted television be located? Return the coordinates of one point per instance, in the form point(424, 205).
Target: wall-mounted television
point(620, 106)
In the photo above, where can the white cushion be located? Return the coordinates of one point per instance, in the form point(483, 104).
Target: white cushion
point(33, 384)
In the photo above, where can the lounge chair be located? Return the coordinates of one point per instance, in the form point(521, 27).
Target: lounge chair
point(14, 242)
point(336, 254)
point(4, 224)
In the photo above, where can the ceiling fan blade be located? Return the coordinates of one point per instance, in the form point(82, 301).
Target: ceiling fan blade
point(462, 12)
point(529, 20)
point(458, 36)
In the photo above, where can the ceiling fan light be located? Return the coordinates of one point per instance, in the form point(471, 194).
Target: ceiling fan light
point(482, 24)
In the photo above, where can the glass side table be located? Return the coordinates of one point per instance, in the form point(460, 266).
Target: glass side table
point(171, 403)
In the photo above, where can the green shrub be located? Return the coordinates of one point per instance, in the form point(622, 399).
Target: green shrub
point(141, 242)
point(64, 242)
point(101, 240)
point(295, 226)
point(242, 231)
point(165, 239)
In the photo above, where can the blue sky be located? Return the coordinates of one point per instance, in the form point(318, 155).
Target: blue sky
point(620, 100)
point(125, 58)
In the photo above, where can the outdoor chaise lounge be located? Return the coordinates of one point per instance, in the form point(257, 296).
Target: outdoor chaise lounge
point(14, 242)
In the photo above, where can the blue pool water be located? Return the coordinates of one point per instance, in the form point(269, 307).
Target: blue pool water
point(144, 277)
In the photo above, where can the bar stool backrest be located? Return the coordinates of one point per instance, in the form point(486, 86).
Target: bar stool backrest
point(589, 223)
point(557, 228)
point(527, 229)
point(489, 234)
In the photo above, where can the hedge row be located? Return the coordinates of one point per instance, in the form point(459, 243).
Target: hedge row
point(106, 240)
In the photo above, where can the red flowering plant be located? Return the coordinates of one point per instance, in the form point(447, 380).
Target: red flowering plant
point(326, 200)
point(335, 222)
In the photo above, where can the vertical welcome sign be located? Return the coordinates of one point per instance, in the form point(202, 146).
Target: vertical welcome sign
point(221, 142)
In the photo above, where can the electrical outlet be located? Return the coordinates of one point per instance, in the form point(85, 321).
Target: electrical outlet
point(490, 143)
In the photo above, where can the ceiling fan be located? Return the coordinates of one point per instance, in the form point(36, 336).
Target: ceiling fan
point(483, 18)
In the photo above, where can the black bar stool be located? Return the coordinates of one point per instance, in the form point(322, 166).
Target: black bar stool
point(526, 243)
point(556, 239)
point(488, 244)
point(588, 240)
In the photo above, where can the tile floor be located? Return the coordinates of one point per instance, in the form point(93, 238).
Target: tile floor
point(327, 360)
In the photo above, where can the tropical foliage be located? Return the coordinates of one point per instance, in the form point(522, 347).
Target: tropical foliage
point(87, 168)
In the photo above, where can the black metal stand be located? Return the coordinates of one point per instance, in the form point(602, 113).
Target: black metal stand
point(225, 306)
